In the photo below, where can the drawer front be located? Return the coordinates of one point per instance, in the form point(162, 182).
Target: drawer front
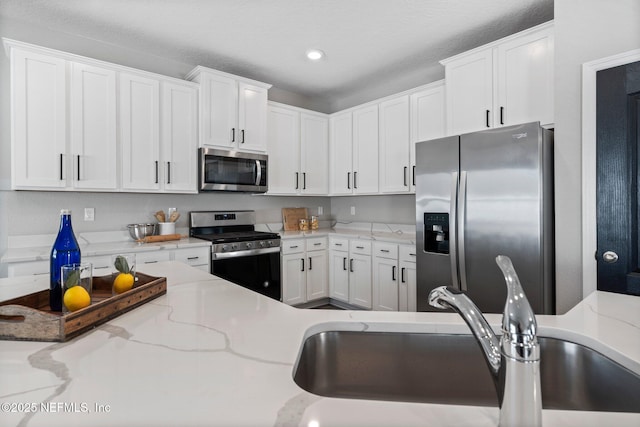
point(152, 257)
point(292, 246)
point(407, 253)
point(316, 243)
point(360, 247)
point(193, 256)
point(385, 250)
point(338, 244)
point(102, 265)
point(29, 268)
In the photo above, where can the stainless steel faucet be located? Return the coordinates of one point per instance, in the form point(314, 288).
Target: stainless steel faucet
point(514, 359)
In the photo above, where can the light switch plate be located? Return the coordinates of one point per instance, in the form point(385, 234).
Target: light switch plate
point(320, 210)
point(353, 210)
point(89, 214)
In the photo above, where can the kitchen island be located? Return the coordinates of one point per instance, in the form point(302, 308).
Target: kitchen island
point(210, 353)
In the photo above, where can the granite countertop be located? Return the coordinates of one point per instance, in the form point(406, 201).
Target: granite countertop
point(390, 233)
point(213, 353)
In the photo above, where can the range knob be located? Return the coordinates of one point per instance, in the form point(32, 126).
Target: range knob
point(262, 243)
point(249, 245)
point(225, 248)
point(234, 246)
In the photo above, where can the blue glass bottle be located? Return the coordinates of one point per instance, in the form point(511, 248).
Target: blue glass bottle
point(65, 251)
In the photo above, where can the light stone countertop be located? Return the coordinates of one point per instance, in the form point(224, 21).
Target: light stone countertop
point(213, 353)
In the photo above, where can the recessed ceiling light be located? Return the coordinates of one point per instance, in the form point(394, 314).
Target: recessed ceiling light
point(315, 54)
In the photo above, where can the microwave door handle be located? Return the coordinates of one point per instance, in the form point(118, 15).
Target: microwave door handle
point(259, 172)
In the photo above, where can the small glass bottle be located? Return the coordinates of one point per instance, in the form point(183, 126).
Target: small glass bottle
point(314, 222)
point(65, 251)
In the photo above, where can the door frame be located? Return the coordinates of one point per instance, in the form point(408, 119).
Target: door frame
point(589, 218)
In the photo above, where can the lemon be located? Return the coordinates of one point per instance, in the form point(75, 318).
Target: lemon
point(122, 283)
point(76, 298)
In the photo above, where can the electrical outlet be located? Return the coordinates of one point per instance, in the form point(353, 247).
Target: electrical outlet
point(320, 210)
point(353, 210)
point(89, 214)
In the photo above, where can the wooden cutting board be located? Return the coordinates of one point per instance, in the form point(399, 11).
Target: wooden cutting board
point(290, 217)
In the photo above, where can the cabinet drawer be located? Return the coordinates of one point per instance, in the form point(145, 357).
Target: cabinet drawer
point(385, 250)
point(193, 256)
point(102, 265)
point(153, 257)
point(407, 253)
point(316, 243)
point(292, 246)
point(28, 268)
point(338, 244)
point(360, 247)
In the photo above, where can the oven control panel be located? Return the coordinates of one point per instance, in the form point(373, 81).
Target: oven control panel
point(246, 246)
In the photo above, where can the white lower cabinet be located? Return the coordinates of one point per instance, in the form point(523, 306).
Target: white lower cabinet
point(407, 283)
point(304, 270)
point(385, 276)
point(199, 257)
point(350, 271)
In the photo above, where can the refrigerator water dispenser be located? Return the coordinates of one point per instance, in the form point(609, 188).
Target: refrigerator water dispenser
point(436, 232)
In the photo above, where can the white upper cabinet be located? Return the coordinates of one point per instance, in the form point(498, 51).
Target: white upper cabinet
point(233, 111)
point(341, 154)
point(140, 132)
point(354, 151)
point(427, 109)
point(298, 148)
point(506, 82)
point(394, 168)
point(39, 148)
point(179, 137)
point(93, 127)
point(314, 153)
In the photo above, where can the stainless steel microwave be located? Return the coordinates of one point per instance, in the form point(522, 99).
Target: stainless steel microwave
point(222, 170)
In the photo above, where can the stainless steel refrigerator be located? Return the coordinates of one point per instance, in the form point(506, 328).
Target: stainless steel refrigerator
point(480, 195)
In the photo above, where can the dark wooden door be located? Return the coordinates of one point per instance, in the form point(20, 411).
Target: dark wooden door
point(618, 122)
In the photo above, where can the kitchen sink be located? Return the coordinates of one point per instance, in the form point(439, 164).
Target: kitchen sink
point(450, 369)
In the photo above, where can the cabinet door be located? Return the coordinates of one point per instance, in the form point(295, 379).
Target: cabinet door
point(284, 150)
point(394, 145)
point(219, 110)
point(469, 87)
point(365, 150)
point(93, 127)
point(317, 275)
point(294, 279)
point(427, 110)
point(385, 284)
point(179, 138)
point(407, 287)
point(252, 118)
point(139, 132)
point(314, 141)
point(39, 91)
point(339, 275)
point(525, 79)
point(360, 281)
point(341, 154)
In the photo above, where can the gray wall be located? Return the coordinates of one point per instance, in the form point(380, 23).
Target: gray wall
point(585, 30)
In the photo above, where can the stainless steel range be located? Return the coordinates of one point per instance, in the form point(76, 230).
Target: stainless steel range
point(239, 253)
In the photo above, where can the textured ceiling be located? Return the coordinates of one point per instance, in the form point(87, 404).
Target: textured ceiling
point(371, 46)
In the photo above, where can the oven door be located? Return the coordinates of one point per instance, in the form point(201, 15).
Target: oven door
point(257, 272)
point(222, 170)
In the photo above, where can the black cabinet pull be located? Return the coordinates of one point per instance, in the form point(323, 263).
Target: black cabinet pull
point(402, 274)
point(393, 273)
point(168, 172)
point(304, 180)
point(348, 180)
point(156, 171)
point(413, 179)
point(297, 180)
point(233, 134)
point(242, 133)
point(404, 174)
point(78, 161)
point(61, 157)
point(351, 265)
point(488, 118)
point(302, 259)
point(344, 264)
point(355, 182)
point(501, 115)
point(310, 264)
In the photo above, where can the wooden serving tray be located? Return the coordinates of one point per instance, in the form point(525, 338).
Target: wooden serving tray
point(29, 317)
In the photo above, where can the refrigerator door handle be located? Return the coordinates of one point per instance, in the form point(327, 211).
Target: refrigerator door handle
point(453, 240)
point(462, 208)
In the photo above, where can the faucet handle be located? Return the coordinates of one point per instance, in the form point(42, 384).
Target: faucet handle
point(519, 325)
